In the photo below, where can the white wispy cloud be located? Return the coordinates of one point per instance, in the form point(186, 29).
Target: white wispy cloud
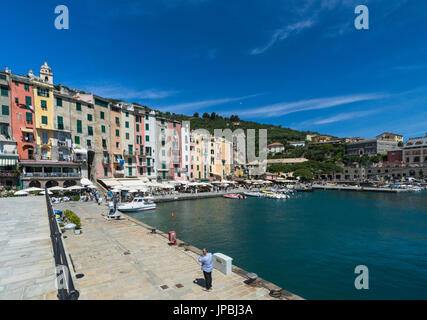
point(346, 116)
point(280, 109)
point(197, 105)
point(120, 92)
point(284, 33)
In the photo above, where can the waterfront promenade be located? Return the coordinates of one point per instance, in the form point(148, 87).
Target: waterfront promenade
point(27, 268)
point(356, 188)
point(122, 259)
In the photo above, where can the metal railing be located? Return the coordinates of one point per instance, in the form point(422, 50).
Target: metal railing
point(65, 285)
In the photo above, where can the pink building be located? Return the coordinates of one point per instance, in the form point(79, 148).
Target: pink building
point(22, 116)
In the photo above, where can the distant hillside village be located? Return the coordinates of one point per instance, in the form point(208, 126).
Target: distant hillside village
point(52, 135)
point(385, 158)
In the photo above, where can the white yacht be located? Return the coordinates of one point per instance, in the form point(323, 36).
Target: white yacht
point(138, 204)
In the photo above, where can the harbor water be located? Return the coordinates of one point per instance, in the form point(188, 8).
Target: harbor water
point(311, 244)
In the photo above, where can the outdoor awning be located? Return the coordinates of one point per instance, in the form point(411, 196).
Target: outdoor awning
point(28, 130)
point(110, 182)
point(8, 161)
point(85, 181)
point(80, 151)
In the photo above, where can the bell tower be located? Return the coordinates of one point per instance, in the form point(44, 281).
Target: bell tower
point(46, 74)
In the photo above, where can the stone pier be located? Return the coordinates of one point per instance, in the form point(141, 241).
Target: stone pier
point(122, 259)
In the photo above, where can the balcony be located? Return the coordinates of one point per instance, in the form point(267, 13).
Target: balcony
point(64, 158)
point(52, 174)
point(7, 173)
point(79, 159)
point(66, 144)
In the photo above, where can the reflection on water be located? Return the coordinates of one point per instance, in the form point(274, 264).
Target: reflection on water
point(311, 243)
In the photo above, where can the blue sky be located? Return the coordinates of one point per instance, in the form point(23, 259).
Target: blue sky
point(298, 63)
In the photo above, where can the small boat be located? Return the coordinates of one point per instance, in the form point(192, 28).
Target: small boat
point(304, 189)
point(234, 196)
point(138, 204)
point(253, 194)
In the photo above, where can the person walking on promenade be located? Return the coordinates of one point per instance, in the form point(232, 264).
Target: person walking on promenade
point(207, 261)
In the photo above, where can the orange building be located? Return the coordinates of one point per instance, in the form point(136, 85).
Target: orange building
point(22, 116)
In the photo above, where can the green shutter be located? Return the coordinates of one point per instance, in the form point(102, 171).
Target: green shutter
point(29, 117)
point(5, 110)
point(59, 102)
point(90, 130)
point(103, 129)
point(77, 140)
point(89, 117)
point(60, 123)
point(127, 124)
point(79, 126)
point(147, 138)
point(127, 136)
point(28, 101)
point(137, 128)
point(102, 114)
point(26, 87)
point(4, 92)
point(117, 133)
point(78, 106)
point(44, 120)
point(147, 127)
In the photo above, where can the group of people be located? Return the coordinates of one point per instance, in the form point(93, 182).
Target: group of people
point(90, 196)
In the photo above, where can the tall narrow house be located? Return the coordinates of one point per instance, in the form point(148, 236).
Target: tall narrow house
point(43, 104)
point(8, 152)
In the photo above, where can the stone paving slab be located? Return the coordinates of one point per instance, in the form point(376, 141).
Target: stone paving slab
point(27, 268)
point(121, 259)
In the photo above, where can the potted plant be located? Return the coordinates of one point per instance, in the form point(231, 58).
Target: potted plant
point(73, 218)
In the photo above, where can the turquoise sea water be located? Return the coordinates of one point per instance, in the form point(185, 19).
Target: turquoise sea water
point(311, 244)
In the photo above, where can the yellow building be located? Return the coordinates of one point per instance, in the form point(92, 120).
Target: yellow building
point(220, 157)
point(44, 113)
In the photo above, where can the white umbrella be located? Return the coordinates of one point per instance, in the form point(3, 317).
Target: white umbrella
point(21, 193)
point(75, 188)
point(115, 190)
point(57, 188)
point(48, 192)
point(91, 186)
point(85, 182)
point(168, 186)
point(133, 190)
point(32, 189)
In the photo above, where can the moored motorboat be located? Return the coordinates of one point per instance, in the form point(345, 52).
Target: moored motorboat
point(234, 196)
point(138, 204)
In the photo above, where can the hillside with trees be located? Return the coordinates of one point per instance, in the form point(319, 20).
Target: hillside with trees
point(275, 133)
